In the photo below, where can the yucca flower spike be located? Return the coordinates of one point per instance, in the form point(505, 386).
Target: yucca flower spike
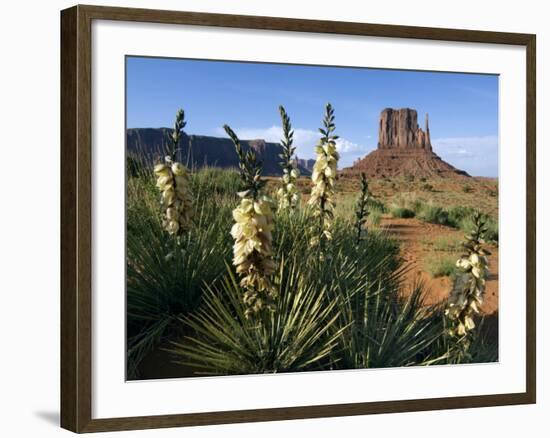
point(361, 211)
point(287, 194)
point(253, 247)
point(173, 184)
point(469, 287)
point(323, 179)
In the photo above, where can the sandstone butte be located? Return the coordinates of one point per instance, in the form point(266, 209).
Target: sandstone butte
point(404, 149)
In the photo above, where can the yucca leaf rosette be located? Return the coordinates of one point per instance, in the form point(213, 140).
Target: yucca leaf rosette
point(469, 287)
point(322, 199)
point(287, 194)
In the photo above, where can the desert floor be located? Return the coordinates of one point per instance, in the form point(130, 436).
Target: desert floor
point(421, 242)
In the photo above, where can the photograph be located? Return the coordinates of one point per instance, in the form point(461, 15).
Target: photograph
point(285, 218)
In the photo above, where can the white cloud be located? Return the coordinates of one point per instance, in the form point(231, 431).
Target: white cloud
point(305, 141)
point(466, 142)
point(476, 155)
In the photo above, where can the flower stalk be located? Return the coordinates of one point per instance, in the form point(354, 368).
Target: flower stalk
point(173, 184)
point(323, 179)
point(361, 209)
point(287, 194)
point(253, 248)
point(469, 287)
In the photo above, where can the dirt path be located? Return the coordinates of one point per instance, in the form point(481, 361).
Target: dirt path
point(419, 245)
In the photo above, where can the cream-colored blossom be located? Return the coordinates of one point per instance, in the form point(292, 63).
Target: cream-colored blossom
point(469, 286)
point(173, 183)
point(287, 195)
point(322, 194)
point(253, 251)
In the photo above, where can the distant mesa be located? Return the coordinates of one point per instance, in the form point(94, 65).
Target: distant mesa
point(306, 163)
point(403, 149)
point(201, 150)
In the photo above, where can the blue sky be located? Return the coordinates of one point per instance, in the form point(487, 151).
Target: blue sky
point(463, 108)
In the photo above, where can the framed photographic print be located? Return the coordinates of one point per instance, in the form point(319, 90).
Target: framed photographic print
point(268, 218)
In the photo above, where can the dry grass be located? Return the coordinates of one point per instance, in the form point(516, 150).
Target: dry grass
point(480, 193)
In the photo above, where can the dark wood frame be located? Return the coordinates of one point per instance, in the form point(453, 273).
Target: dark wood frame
point(76, 177)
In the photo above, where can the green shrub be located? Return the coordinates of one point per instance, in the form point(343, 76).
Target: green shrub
point(457, 217)
point(402, 212)
point(458, 214)
point(406, 200)
point(433, 214)
point(440, 266)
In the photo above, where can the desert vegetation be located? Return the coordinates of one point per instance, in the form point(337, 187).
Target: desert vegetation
point(231, 272)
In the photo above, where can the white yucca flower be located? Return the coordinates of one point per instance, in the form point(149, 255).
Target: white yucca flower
point(287, 194)
point(323, 179)
point(469, 287)
point(253, 248)
point(173, 183)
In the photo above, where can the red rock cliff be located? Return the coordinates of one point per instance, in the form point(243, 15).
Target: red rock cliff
point(399, 129)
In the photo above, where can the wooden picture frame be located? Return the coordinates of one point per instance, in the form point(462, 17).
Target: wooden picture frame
point(76, 217)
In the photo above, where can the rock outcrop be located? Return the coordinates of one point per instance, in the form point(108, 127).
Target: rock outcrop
point(306, 163)
point(403, 149)
point(399, 129)
point(200, 150)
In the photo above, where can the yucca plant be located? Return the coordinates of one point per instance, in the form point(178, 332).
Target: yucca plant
point(253, 248)
point(165, 277)
point(479, 345)
point(469, 287)
point(173, 183)
point(322, 199)
point(298, 335)
point(387, 329)
point(287, 194)
point(468, 290)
